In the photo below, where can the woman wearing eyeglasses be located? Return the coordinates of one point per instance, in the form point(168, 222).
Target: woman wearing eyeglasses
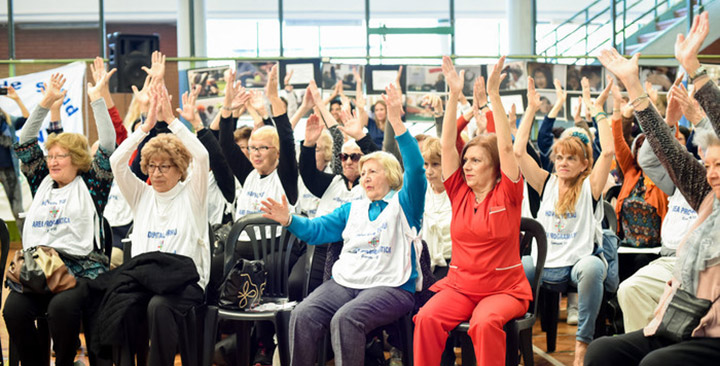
point(334, 190)
point(70, 190)
point(171, 216)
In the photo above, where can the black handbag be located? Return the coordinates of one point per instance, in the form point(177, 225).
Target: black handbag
point(682, 316)
point(244, 285)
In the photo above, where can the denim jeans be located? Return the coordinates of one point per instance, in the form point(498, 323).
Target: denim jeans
point(349, 314)
point(587, 275)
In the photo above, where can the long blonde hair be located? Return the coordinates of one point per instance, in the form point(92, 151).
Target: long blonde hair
point(574, 146)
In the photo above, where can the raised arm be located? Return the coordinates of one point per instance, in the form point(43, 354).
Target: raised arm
point(686, 172)
point(53, 92)
point(321, 106)
point(533, 173)
point(315, 180)
point(601, 169)
point(106, 131)
point(12, 94)
point(450, 157)
point(239, 163)
point(305, 107)
point(508, 164)
point(271, 90)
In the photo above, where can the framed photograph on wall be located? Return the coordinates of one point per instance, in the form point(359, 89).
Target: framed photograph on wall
point(332, 73)
point(303, 71)
point(425, 79)
point(516, 78)
point(377, 77)
point(211, 81)
point(253, 74)
point(545, 74)
point(594, 73)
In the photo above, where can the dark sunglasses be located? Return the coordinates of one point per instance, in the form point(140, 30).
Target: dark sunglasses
point(354, 157)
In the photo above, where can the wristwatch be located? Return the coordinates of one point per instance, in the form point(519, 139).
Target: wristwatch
point(701, 71)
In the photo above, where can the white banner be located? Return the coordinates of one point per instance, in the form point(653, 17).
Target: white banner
point(29, 88)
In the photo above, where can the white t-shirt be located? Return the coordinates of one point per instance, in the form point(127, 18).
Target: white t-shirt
point(117, 212)
point(574, 235)
point(175, 221)
point(217, 204)
point(678, 221)
point(436, 226)
point(61, 218)
point(337, 195)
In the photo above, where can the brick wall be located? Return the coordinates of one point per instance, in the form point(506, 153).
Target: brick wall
point(52, 43)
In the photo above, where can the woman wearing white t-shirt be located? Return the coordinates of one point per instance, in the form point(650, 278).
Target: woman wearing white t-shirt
point(171, 216)
point(568, 203)
point(70, 189)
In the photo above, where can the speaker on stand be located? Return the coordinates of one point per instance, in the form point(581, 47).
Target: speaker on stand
point(128, 53)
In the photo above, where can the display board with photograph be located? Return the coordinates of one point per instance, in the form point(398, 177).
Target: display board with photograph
point(377, 77)
point(660, 77)
point(332, 73)
point(211, 81)
point(516, 78)
point(547, 101)
point(304, 71)
point(594, 73)
point(518, 98)
point(425, 79)
point(545, 74)
point(253, 74)
point(471, 73)
point(417, 107)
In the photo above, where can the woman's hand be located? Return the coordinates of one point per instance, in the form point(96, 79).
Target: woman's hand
point(352, 125)
point(495, 78)
point(393, 99)
point(689, 106)
point(142, 96)
point(53, 91)
point(479, 93)
point(157, 68)
point(313, 130)
point(189, 110)
point(454, 80)
point(276, 211)
point(687, 48)
point(101, 80)
point(12, 94)
point(599, 105)
point(165, 110)
point(533, 97)
point(152, 115)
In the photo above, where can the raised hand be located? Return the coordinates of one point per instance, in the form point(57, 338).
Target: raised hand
point(102, 79)
point(189, 111)
point(651, 92)
point(257, 102)
point(397, 78)
point(157, 67)
point(602, 98)
point(625, 70)
point(512, 116)
point(142, 96)
point(393, 99)
point(533, 97)
point(11, 93)
point(313, 130)
point(434, 102)
point(165, 110)
point(352, 125)
point(315, 93)
point(153, 111)
point(241, 97)
point(687, 48)
point(276, 211)
point(271, 88)
point(690, 107)
point(560, 94)
point(454, 80)
point(496, 77)
point(288, 76)
point(673, 112)
point(577, 115)
point(479, 93)
point(481, 119)
point(53, 91)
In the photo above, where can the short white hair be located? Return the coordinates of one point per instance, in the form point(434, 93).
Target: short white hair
point(705, 139)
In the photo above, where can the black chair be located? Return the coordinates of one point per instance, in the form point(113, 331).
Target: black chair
point(518, 332)
point(610, 221)
point(269, 240)
point(613, 192)
point(5, 250)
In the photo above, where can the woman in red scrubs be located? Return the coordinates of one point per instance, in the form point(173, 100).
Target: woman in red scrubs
point(486, 282)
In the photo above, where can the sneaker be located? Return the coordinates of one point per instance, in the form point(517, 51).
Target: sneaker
point(572, 317)
point(572, 308)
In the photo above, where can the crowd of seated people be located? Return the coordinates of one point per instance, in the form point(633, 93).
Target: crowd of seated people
point(359, 180)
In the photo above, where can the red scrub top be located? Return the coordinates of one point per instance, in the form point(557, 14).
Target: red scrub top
point(486, 240)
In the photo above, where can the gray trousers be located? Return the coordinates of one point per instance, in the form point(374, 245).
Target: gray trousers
point(11, 184)
point(349, 314)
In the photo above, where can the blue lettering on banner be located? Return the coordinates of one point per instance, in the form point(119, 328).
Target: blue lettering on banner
point(17, 85)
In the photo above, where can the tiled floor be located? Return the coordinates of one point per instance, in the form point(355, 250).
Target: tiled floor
point(563, 354)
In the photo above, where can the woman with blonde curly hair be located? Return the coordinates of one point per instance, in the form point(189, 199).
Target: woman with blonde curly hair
point(70, 190)
point(569, 209)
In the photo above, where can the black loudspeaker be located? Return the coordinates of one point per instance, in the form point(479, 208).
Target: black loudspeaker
point(128, 53)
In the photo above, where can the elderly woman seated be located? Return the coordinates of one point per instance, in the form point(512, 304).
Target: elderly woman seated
point(170, 216)
point(375, 277)
point(70, 190)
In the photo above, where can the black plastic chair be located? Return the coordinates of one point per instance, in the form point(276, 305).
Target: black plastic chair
point(518, 332)
point(5, 250)
point(610, 221)
point(613, 192)
point(268, 239)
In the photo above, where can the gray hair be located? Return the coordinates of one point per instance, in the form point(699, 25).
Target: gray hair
point(705, 139)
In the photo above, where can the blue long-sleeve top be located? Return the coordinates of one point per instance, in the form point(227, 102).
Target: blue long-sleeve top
point(329, 228)
point(545, 141)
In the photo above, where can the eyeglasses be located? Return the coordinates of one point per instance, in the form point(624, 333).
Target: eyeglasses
point(162, 168)
point(56, 157)
point(354, 157)
point(259, 148)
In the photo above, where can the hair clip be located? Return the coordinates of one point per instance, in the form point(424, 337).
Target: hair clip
point(581, 136)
